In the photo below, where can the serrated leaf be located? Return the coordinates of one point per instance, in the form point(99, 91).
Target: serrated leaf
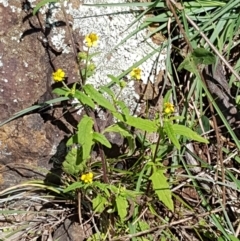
point(122, 206)
point(99, 203)
point(73, 186)
point(69, 168)
point(84, 99)
point(85, 135)
point(161, 188)
point(101, 139)
point(42, 3)
point(185, 131)
point(203, 56)
point(97, 97)
point(168, 128)
point(73, 162)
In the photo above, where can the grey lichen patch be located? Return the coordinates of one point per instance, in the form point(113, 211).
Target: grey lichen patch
point(113, 24)
point(1, 63)
point(4, 2)
point(14, 5)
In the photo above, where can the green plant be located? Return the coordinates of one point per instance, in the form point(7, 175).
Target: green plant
point(106, 197)
point(118, 197)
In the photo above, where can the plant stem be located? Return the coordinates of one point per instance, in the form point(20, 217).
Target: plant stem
point(85, 76)
point(101, 152)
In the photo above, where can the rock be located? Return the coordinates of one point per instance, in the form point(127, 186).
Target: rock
point(69, 231)
point(26, 146)
point(28, 143)
point(23, 64)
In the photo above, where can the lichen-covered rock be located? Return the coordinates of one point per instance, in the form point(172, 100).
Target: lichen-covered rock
point(23, 67)
point(112, 25)
point(26, 144)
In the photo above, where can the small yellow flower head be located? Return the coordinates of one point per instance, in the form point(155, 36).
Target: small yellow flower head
point(168, 108)
point(59, 75)
point(87, 178)
point(91, 40)
point(136, 73)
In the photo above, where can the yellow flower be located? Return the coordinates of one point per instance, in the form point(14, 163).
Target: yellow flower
point(87, 178)
point(59, 75)
point(168, 108)
point(136, 73)
point(91, 40)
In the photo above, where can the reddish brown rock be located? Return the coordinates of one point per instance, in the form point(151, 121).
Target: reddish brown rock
point(23, 69)
point(28, 143)
point(26, 146)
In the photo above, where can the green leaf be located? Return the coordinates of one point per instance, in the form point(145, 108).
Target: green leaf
point(187, 132)
point(42, 3)
point(85, 135)
point(143, 225)
point(142, 124)
point(98, 137)
point(168, 128)
point(114, 81)
point(99, 203)
point(233, 238)
point(203, 56)
point(206, 125)
point(122, 206)
point(31, 108)
point(131, 145)
point(84, 99)
point(61, 91)
point(119, 128)
point(103, 187)
point(107, 90)
point(96, 96)
point(199, 56)
point(72, 140)
point(90, 56)
point(188, 64)
point(124, 109)
point(73, 186)
point(161, 188)
point(73, 163)
point(123, 131)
